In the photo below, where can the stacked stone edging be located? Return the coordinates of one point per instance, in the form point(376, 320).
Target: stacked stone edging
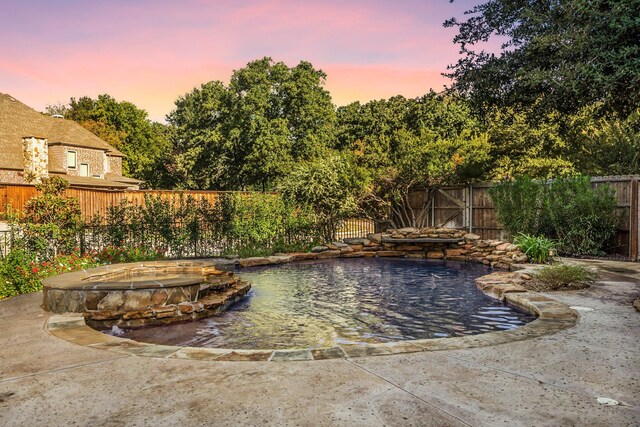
point(109, 295)
point(429, 243)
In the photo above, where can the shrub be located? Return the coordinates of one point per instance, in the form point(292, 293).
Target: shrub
point(565, 277)
point(252, 223)
point(538, 249)
point(120, 254)
point(50, 221)
point(21, 272)
point(582, 218)
point(519, 204)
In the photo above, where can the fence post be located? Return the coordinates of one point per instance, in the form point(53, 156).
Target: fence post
point(634, 221)
point(470, 208)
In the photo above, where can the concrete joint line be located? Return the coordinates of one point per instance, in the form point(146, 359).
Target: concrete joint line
point(407, 391)
point(64, 368)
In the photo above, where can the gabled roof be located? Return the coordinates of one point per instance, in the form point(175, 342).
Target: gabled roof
point(17, 120)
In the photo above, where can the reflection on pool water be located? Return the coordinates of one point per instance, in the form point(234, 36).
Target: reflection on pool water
point(347, 301)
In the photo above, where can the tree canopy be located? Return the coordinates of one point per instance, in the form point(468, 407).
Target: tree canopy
point(249, 134)
point(562, 55)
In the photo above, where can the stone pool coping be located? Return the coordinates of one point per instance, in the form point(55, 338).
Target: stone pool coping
point(553, 316)
point(105, 277)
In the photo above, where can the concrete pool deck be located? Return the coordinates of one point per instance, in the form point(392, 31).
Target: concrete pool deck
point(549, 380)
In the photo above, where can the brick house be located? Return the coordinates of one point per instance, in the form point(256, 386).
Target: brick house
point(33, 146)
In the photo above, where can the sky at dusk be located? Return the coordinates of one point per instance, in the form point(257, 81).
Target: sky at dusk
point(149, 52)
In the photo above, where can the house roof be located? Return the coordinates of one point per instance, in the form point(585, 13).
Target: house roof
point(87, 181)
point(123, 179)
point(18, 120)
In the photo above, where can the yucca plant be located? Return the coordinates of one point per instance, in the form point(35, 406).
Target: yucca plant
point(538, 249)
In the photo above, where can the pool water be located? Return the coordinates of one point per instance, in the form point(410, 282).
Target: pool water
point(347, 301)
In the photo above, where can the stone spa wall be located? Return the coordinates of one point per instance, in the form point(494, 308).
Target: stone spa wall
point(139, 294)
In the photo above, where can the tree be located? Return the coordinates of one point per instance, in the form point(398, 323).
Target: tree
point(409, 145)
point(330, 186)
point(250, 134)
point(127, 128)
point(605, 145)
point(522, 146)
point(567, 54)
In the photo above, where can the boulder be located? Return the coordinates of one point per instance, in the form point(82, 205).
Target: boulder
point(339, 245)
point(408, 230)
point(358, 241)
point(329, 254)
point(299, 256)
point(454, 252)
point(113, 301)
point(279, 259)
point(391, 253)
point(435, 255)
point(254, 261)
point(375, 237)
point(503, 247)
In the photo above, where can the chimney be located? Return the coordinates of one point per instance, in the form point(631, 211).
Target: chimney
point(35, 153)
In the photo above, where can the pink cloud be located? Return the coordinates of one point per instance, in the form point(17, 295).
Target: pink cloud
point(151, 52)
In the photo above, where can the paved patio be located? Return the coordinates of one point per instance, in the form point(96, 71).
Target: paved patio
point(551, 380)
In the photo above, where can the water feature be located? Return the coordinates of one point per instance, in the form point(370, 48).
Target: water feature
point(346, 301)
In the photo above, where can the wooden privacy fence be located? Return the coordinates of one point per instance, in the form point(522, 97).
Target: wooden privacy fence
point(471, 207)
point(97, 202)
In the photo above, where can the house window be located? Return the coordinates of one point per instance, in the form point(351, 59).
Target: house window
point(84, 169)
point(72, 159)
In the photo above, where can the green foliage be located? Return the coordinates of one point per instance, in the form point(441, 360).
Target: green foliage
point(605, 145)
point(21, 272)
point(187, 227)
point(527, 143)
point(538, 249)
point(563, 276)
point(568, 54)
point(50, 221)
point(250, 134)
point(519, 205)
point(328, 188)
point(121, 254)
point(582, 218)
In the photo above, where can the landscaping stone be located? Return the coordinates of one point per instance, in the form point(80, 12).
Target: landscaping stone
point(299, 256)
point(317, 249)
point(254, 261)
point(159, 297)
point(374, 237)
point(329, 254)
point(363, 242)
point(471, 236)
point(391, 253)
point(134, 300)
point(454, 252)
point(435, 255)
point(354, 254)
point(340, 245)
point(113, 301)
point(279, 259)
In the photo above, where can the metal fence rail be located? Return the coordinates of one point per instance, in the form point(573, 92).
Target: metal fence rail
point(198, 240)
